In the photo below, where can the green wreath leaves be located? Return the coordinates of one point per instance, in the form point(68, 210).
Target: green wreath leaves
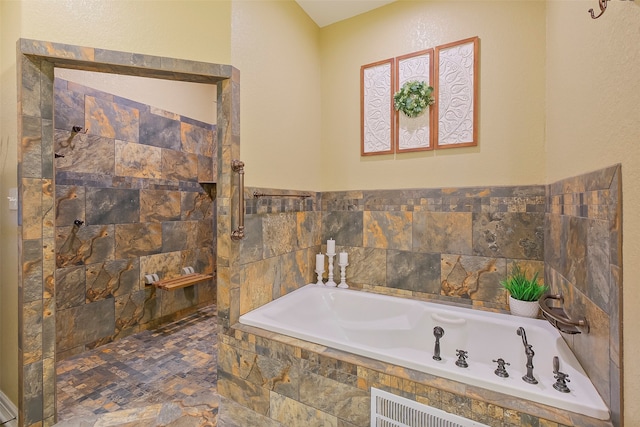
point(413, 98)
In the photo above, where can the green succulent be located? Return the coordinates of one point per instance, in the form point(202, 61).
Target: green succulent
point(522, 288)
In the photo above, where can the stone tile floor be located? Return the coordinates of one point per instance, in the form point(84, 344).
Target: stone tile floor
point(161, 377)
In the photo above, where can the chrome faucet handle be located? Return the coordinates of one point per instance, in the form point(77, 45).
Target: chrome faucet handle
point(462, 358)
point(561, 378)
point(501, 371)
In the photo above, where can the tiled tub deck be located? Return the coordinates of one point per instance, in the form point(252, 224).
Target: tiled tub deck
point(296, 382)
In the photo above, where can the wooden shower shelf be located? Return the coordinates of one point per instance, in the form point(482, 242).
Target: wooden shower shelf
point(182, 281)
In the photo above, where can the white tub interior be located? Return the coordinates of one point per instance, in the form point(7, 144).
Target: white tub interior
point(400, 331)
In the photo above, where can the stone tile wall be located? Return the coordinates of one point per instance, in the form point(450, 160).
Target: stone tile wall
point(131, 175)
point(583, 260)
point(277, 254)
point(296, 383)
point(453, 244)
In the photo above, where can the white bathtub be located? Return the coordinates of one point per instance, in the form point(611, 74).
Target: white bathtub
point(400, 331)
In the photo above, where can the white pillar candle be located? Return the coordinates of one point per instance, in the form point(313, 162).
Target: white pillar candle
point(319, 262)
point(331, 246)
point(344, 258)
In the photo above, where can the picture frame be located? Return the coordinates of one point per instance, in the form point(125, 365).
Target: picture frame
point(456, 93)
point(414, 133)
point(376, 108)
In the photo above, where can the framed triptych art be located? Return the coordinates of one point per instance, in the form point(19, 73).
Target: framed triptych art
point(376, 106)
point(456, 90)
point(451, 121)
point(414, 133)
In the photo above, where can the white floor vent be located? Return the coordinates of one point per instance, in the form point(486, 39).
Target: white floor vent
point(389, 410)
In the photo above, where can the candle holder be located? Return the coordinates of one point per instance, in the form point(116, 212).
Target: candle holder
point(343, 275)
point(330, 282)
point(319, 273)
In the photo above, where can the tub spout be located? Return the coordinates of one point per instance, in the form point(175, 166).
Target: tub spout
point(528, 350)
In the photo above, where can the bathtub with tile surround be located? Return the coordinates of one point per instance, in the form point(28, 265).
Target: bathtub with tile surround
point(401, 332)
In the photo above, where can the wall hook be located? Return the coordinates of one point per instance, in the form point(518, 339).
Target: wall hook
point(603, 7)
point(78, 129)
point(78, 222)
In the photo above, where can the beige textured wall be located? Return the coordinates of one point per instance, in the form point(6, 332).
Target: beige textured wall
point(275, 45)
point(196, 30)
point(511, 109)
point(593, 120)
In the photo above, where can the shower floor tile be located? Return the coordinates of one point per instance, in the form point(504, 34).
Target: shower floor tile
point(174, 365)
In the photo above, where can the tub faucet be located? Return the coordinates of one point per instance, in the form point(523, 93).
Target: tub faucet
point(528, 350)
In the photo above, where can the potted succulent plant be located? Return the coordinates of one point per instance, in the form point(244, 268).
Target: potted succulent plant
point(524, 293)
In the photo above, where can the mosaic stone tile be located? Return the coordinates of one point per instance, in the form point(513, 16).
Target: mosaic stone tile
point(111, 120)
point(123, 379)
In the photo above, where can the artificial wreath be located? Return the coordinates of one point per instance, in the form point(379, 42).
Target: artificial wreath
point(413, 98)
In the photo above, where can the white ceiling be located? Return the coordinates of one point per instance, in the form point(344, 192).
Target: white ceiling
point(326, 12)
